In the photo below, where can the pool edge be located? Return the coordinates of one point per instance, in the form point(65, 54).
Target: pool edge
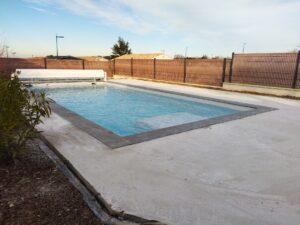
point(114, 141)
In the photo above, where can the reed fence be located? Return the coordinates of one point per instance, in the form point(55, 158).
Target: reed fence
point(266, 69)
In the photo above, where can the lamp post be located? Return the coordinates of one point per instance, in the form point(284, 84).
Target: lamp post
point(244, 45)
point(186, 49)
point(6, 48)
point(56, 37)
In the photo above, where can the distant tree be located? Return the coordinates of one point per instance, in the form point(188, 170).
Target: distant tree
point(204, 57)
point(62, 57)
point(178, 56)
point(51, 57)
point(108, 57)
point(121, 48)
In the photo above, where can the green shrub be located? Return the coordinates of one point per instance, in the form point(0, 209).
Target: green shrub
point(20, 111)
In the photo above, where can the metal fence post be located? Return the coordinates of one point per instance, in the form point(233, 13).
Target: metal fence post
point(114, 67)
point(45, 62)
point(154, 68)
point(231, 64)
point(184, 70)
point(224, 70)
point(132, 67)
point(296, 71)
point(83, 64)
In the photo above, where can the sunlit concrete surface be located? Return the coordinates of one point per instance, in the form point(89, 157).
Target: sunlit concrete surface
point(278, 91)
point(242, 172)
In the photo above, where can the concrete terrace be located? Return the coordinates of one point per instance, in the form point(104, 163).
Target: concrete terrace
point(242, 172)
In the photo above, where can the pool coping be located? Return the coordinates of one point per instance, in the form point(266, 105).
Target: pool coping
point(114, 141)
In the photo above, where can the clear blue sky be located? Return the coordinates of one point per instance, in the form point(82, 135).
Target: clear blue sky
point(91, 27)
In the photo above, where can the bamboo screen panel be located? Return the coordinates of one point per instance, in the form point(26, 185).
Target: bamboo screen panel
point(8, 65)
point(123, 67)
point(170, 70)
point(103, 65)
point(143, 68)
point(298, 80)
point(272, 69)
point(64, 64)
point(204, 71)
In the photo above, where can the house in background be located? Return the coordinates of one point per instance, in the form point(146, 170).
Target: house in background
point(145, 56)
point(93, 58)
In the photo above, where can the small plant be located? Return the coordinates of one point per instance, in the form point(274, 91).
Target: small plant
point(21, 111)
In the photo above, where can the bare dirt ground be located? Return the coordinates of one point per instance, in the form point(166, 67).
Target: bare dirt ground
point(33, 191)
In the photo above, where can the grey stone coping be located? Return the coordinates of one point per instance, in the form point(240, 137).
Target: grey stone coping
point(115, 141)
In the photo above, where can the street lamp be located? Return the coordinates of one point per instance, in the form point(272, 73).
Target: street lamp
point(57, 45)
point(6, 48)
point(186, 49)
point(244, 45)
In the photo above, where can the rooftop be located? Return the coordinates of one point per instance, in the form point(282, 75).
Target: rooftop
point(144, 56)
point(93, 58)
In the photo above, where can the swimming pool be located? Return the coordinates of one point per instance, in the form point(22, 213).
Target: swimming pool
point(135, 113)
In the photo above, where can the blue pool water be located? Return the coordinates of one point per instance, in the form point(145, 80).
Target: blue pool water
point(127, 111)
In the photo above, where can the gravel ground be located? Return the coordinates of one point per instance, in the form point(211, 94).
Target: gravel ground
point(33, 191)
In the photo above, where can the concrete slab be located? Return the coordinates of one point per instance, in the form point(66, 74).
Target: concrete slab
point(245, 171)
point(277, 91)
